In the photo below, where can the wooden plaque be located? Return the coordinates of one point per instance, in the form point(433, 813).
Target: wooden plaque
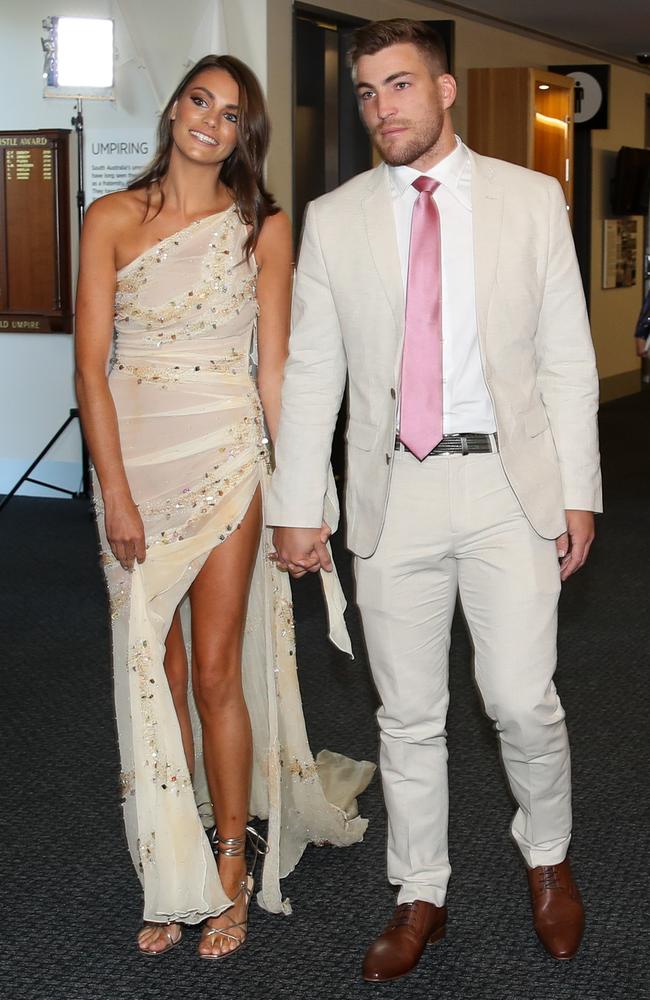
point(35, 286)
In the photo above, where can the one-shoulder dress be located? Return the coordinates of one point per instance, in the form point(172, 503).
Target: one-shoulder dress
point(195, 451)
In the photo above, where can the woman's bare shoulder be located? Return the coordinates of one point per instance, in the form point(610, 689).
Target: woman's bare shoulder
point(118, 212)
point(275, 235)
point(277, 225)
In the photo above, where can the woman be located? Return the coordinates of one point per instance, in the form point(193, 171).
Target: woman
point(187, 264)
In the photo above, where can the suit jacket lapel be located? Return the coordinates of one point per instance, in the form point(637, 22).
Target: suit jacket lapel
point(487, 213)
point(380, 228)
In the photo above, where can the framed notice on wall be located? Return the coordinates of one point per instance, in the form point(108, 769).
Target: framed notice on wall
point(35, 285)
point(619, 252)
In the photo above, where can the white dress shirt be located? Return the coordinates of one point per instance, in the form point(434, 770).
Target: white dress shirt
point(466, 402)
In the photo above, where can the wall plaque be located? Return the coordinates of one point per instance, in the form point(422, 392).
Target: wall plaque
point(35, 285)
point(619, 252)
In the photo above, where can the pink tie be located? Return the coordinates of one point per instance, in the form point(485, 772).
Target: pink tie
point(421, 395)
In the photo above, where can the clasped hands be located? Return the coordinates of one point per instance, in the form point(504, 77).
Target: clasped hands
point(302, 550)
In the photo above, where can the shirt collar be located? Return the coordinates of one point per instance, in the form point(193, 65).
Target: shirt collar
point(452, 172)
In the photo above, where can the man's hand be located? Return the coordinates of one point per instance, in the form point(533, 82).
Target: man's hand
point(302, 550)
point(573, 546)
point(641, 348)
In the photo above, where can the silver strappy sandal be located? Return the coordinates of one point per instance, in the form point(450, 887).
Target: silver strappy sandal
point(235, 847)
point(148, 953)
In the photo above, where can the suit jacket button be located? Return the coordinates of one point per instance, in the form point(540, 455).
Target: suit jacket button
point(392, 393)
point(387, 459)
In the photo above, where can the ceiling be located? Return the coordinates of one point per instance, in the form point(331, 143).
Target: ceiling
point(620, 28)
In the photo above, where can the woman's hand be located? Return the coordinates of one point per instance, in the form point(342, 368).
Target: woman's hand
point(641, 346)
point(124, 530)
point(302, 550)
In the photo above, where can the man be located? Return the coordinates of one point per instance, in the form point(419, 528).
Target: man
point(445, 285)
point(642, 331)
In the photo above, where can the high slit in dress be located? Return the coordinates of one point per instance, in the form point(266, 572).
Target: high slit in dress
point(195, 451)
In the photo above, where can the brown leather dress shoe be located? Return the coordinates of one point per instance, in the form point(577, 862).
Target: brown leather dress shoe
point(558, 913)
point(398, 948)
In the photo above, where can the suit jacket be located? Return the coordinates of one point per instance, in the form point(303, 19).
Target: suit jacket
point(348, 319)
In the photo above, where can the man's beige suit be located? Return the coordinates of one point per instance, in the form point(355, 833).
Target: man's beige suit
point(481, 525)
point(348, 318)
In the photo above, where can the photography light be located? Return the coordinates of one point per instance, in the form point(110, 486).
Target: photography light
point(79, 61)
point(79, 57)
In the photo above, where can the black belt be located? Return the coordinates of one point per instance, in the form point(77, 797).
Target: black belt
point(458, 444)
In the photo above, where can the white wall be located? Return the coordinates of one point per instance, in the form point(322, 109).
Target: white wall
point(36, 390)
point(246, 24)
point(36, 370)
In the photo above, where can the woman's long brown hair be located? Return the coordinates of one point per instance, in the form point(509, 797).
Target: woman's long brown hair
point(242, 172)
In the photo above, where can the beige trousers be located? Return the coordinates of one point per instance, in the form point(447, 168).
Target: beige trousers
point(453, 524)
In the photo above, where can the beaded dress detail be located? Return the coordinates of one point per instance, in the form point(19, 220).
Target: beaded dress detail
point(195, 451)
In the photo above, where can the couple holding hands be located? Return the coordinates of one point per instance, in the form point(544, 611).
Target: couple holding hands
point(443, 287)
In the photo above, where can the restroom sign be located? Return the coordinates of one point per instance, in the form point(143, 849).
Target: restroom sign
point(590, 94)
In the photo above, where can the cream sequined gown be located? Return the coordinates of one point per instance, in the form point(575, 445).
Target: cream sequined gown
point(194, 451)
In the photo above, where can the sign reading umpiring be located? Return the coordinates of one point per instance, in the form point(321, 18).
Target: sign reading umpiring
point(112, 158)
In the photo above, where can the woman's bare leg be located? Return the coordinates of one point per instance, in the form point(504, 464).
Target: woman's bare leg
point(155, 937)
point(219, 597)
point(177, 676)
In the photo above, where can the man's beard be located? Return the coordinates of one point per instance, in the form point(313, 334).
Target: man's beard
point(398, 155)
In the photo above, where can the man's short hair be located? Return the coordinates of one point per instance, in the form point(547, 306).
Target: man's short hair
point(378, 35)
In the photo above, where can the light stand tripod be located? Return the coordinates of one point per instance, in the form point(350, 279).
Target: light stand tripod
point(78, 123)
point(27, 477)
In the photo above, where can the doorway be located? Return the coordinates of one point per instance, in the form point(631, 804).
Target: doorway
point(645, 360)
point(330, 143)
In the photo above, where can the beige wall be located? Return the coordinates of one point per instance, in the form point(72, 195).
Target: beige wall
point(614, 311)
